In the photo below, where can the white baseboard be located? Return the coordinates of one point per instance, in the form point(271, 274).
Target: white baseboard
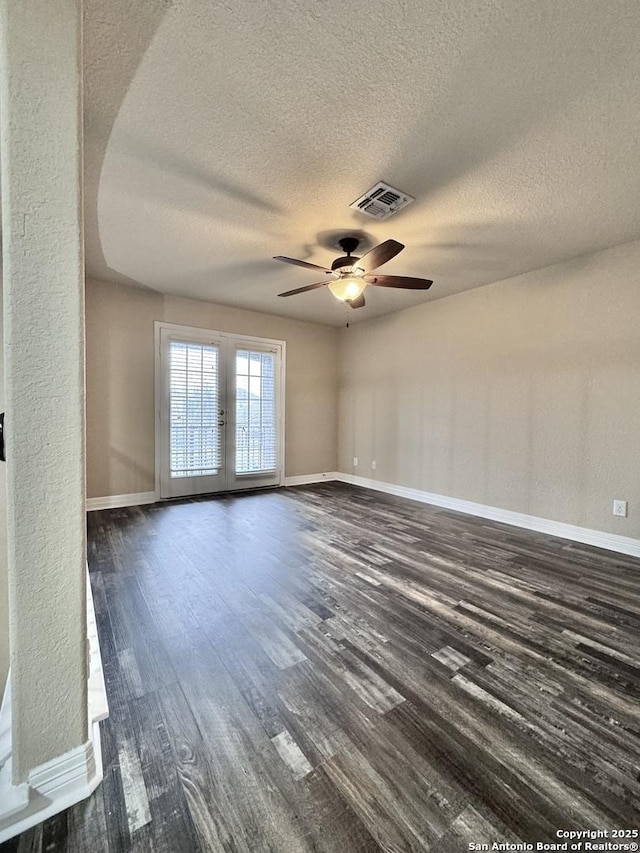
point(57, 785)
point(117, 501)
point(96, 689)
point(66, 779)
point(13, 798)
point(598, 538)
point(141, 498)
point(5, 722)
point(306, 479)
point(60, 777)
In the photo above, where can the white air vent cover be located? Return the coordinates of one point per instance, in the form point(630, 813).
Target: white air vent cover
point(382, 201)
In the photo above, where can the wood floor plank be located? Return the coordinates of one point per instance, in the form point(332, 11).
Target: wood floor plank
point(256, 676)
point(333, 824)
point(87, 826)
point(350, 670)
point(275, 642)
point(133, 787)
point(291, 754)
point(245, 761)
point(118, 836)
point(29, 842)
point(396, 817)
point(209, 807)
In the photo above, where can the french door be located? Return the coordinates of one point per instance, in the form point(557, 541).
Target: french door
point(219, 411)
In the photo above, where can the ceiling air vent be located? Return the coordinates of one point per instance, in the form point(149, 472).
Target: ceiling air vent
point(382, 201)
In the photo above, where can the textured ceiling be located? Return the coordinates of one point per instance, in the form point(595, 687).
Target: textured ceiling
point(220, 134)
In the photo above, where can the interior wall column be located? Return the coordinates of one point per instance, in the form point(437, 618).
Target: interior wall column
point(4, 579)
point(41, 155)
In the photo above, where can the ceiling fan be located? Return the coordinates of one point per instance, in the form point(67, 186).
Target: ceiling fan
point(352, 275)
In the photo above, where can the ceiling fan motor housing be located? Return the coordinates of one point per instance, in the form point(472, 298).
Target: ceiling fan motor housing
point(346, 261)
point(347, 244)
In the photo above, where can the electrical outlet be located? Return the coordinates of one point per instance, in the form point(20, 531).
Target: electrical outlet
point(373, 465)
point(620, 508)
point(355, 461)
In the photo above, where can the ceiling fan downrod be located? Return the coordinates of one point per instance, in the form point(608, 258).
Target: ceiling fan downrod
point(348, 244)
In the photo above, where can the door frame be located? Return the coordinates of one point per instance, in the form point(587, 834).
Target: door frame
point(248, 340)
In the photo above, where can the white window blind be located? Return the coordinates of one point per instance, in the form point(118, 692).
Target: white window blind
point(256, 450)
point(195, 445)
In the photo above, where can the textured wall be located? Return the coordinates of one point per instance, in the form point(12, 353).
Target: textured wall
point(120, 382)
point(41, 153)
point(523, 394)
point(4, 580)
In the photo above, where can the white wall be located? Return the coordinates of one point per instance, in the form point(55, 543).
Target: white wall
point(523, 395)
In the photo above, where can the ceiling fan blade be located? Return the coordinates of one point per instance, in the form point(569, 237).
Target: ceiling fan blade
point(399, 281)
point(379, 255)
point(298, 263)
point(304, 289)
point(357, 303)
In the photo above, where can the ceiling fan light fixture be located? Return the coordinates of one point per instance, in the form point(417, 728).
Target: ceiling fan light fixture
point(347, 287)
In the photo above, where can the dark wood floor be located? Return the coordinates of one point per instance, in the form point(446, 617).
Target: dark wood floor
point(329, 669)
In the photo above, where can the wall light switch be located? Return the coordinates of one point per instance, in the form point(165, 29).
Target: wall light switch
point(620, 508)
point(373, 465)
point(355, 461)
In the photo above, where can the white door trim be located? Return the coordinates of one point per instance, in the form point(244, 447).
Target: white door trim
point(248, 340)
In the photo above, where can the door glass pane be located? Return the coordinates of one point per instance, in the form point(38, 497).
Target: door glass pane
point(195, 445)
point(255, 412)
